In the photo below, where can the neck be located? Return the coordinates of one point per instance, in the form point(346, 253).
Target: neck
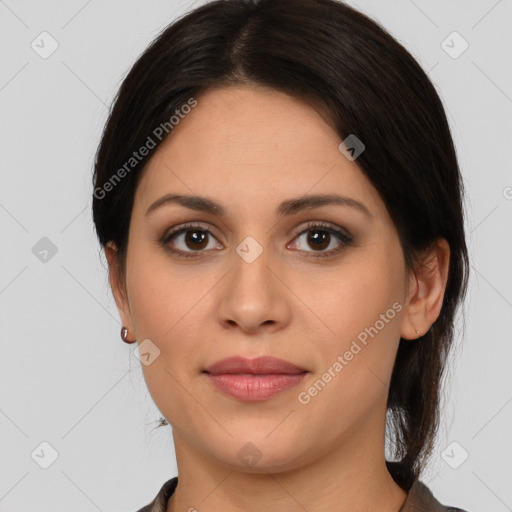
point(351, 478)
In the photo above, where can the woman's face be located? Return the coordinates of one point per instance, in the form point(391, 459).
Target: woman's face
point(263, 279)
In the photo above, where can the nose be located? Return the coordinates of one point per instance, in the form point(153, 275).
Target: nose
point(253, 296)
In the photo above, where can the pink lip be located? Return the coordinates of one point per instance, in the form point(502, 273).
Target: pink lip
point(254, 379)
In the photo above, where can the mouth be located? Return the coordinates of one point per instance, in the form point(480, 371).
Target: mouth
point(256, 379)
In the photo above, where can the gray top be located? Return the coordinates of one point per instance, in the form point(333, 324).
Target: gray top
point(419, 499)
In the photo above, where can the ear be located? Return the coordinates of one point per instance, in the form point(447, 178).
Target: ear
point(427, 285)
point(118, 288)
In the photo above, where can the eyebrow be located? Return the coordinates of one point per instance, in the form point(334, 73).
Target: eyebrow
point(286, 208)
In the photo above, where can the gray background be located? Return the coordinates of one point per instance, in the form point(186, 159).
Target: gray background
point(67, 379)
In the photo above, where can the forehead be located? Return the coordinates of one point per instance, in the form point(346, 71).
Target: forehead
point(271, 121)
point(258, 142)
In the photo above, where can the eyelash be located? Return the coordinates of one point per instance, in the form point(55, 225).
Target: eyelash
point(311, 226)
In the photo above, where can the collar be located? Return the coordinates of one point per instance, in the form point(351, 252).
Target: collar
point(419, 499)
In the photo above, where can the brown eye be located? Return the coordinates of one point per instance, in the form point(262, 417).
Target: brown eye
point(320, 237)
point(188, 239)
point(196, 239)
point(191, 240)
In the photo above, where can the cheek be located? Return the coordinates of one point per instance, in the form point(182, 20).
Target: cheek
point(170, 306)
point(355, 294)
point(363, 309)
point(158, 294)
point(354, 364)
point(167, 310)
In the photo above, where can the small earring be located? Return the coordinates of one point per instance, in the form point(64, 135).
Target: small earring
point(124, 335)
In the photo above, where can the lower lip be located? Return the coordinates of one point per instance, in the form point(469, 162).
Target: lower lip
point(254, 388)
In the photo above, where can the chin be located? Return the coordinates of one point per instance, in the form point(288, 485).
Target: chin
point(261, 455)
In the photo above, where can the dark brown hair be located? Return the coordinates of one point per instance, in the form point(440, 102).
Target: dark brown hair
point(325, 52)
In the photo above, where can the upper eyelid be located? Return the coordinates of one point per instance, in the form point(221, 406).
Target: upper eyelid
point(180, 228)
point(326, 225)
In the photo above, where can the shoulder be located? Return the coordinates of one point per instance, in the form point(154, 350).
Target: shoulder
point(159, 503)
point(421, 499)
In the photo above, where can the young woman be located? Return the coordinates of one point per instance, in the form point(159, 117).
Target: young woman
point(280, 204)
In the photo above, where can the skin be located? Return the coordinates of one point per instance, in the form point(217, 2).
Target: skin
point(250, 148)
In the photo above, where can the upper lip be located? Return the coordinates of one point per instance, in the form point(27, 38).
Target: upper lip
point(258, 365)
